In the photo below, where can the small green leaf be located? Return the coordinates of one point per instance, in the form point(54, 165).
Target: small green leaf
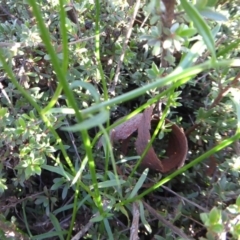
point(21, 122)
point(187, 33)
point(201, 26)
point(236, 230)
point(139, 183)
point(214, 216)
point(37, 170)
point(204, 217)
point(217, 228)
point(64, 192)
point(3, 111)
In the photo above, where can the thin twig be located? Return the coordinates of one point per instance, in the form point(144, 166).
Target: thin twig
point(10, 15)
point(135, 222)
point(217, 100)
point(185, 199)
point(89, 224)
point(22, 44)
point(125, 44)
point(165, 222)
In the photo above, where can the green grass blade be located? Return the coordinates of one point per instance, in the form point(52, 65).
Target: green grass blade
point(139, 183)
point(201, 26)
point(56, 225)
point(94, 121)
point(108, 229)
point(176, 76)
point(142, 216)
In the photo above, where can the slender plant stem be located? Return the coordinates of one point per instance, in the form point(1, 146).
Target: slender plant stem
point(97, 50)
point(178, 77)
point(159, 126)
point(70, 99)
point(196, 161)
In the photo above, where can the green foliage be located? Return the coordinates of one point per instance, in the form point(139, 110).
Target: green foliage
point(59, 94)
point(217, 221)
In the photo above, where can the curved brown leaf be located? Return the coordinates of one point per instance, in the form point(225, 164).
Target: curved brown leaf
point(177, 145)
point(123, 130)
point(150, 160)
point(176, 150)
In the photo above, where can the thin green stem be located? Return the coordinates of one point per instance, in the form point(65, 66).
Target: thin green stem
point(70, 99)
point(103, 79)
point(97, 50)
point(159, 126)
point(75, 208)
point(132, 114)
point(196, 161)
point(64, 38)
point(178, 77)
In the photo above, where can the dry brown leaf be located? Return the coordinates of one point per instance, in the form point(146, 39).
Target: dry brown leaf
point(150, 160)
point(124, 130)
point(177, 149)
point(177, 145)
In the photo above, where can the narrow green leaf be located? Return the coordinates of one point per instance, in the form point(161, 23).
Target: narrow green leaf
point(125, 212)
point(56, 225)
point(139, 183)
point(143, 219)
point(96, 219)
point(70, 206)
point(98, 119)
point(59, 170)
point(228, 48)
point(108, 229)
point(47, 235)
point(79, 172)
point(87, 86)
point(201, 26)
point(109, 183)
point(236, 101)
point(213, 15)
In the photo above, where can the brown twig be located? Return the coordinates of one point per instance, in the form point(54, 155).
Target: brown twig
point(19, 22)
point(125, 44)
point(135, 222)
point(82, 232)
point(185, 199)
point(165, 222)
point(166, 19)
